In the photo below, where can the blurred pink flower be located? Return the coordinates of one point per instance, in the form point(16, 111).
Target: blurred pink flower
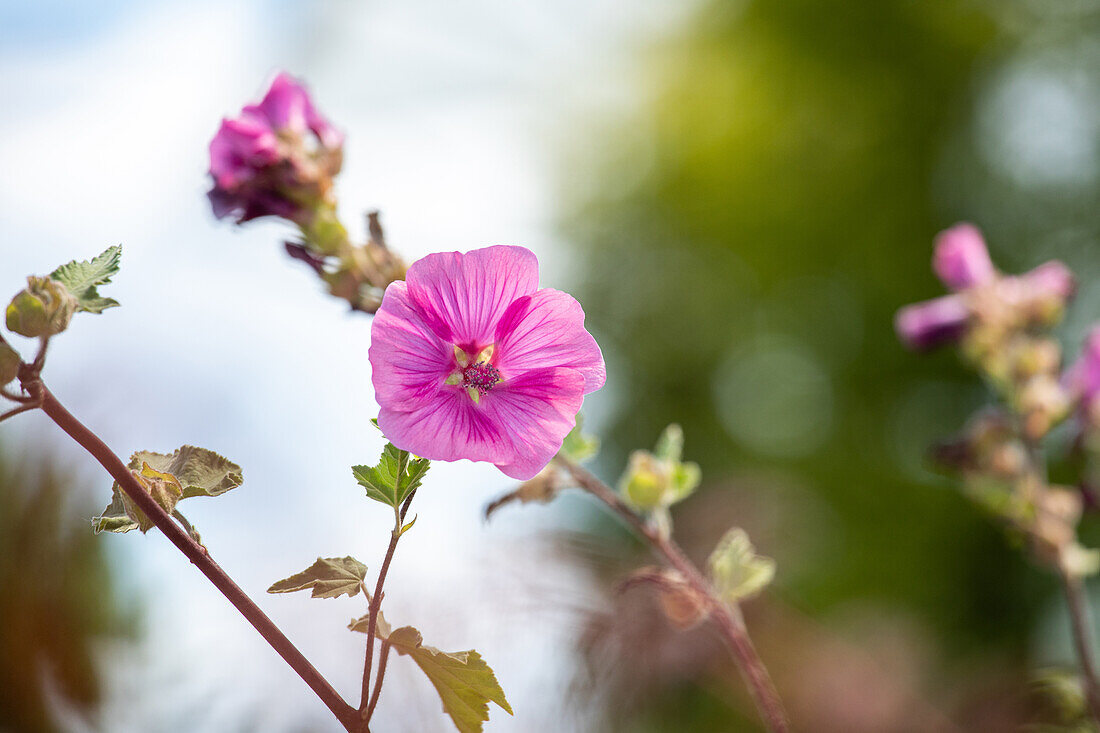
point(276, 158)
point(961, 259)
point(932, 322)
point(470, 359)
point(1083, 378)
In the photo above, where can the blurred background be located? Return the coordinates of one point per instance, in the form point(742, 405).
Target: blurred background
point(740, 193)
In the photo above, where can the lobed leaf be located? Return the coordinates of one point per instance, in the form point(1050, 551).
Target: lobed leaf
point(397, 475)
point(201, 472)
point(82, 279)
point(329, 577)
point(736, 570)
point(465, 683)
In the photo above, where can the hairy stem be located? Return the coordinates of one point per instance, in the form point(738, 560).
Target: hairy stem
point(726, 617)
point(365, 705)
point(194, 552)
point(383, 657)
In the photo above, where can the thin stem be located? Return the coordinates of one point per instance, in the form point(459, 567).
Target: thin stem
point(15, 411)
point(1073, 588)
point(727, 618)
point(194, 552)
point(375, 604)
point(1082, 637)
point(383, 657)
point(18, 398)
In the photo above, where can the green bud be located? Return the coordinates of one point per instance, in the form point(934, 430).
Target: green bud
point(645, 483)
point(9, 363)
point(43, 308)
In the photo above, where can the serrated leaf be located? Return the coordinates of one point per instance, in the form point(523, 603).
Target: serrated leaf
point(736, 570)
point(82, 279)
point(465, 683)
point(122, 515)
point(329, 577)
point(381, 626)
point(114, 517)
point(201, 472)
point(397, 475)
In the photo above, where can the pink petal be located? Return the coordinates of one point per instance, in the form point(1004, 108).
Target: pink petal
point(932, 322)
point(408, 362)
point(462, 296)
point(546, 329)
point(961, 259)
point(536, 410)
point(447, 427)
point(240, 145)
point(285, 104)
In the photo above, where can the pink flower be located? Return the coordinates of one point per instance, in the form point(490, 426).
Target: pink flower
point(932, 322)
point(276, 158)
point(961, 259)
point(470, 359)
point(1083, 378)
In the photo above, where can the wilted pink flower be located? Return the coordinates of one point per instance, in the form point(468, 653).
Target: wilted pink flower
point(470, 359)
point(932, 322)
point(961, 259)
point(277, 158)
point(1083, 378)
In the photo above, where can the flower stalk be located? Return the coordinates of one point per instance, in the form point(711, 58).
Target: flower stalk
point(727, 616)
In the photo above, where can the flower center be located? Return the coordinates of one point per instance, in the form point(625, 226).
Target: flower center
point(481, 376)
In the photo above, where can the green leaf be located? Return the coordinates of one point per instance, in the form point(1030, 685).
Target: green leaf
point(670, 446)
point(465, 683)
point(736, 570)
point(329, 577)
point(397, 475)
point(82, 279)
point(578, 446)
point(201, 472)
point(122, 515)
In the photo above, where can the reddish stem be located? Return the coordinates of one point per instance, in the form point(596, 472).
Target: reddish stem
point(726, 617)
point(194, 552)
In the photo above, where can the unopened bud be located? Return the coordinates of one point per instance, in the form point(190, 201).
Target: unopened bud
point(645, 482)
point(43, 308)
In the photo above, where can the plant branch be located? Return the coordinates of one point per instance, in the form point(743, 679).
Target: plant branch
point(1080, 619)
point(383, 657)
point(194, 552)
point(365, 706)
point(727, 617)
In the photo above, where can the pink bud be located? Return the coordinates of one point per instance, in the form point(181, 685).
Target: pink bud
point(933, 322)
point(961, 259)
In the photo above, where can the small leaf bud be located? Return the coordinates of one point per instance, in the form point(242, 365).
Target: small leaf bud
point(43, 308)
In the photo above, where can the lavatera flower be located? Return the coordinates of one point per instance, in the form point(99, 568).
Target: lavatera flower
point(470, 359)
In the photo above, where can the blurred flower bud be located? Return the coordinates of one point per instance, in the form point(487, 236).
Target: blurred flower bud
point(961, 259)
point(659, 479)
point(277, 158)
point(933, 322)
point(682, 604)
point(1043, 402)
point(43, 308)
point(9, 363)
point(644, 483)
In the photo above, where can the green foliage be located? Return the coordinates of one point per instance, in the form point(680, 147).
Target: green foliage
point(397, 475)
point(736, 570)
point(9, 363)
point(578, 446)
point(329, 577)
point(59, 602)
point(82, 279)
point(169, 478)
point(465, 683)
point(201, 472)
